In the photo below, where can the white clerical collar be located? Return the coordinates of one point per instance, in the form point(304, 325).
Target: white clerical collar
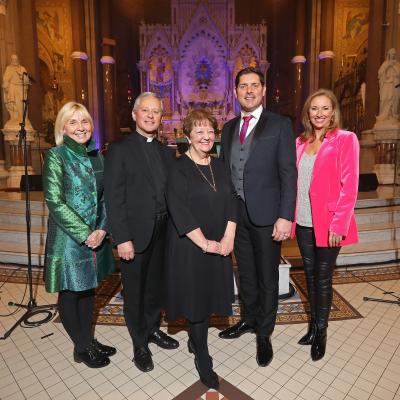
point(149, 139)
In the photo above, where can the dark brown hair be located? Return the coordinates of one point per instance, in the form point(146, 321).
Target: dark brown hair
point(196, 117)
point(305, 117)
point(249, 70)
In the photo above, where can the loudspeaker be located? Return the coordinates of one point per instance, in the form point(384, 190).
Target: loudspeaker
point(367, 183)
point(35, 183)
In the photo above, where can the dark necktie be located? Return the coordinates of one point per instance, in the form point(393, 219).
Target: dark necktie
point(245, 126)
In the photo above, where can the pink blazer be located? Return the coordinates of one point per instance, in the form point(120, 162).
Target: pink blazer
point(334, 186)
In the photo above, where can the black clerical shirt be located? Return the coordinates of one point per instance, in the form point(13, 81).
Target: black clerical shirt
point(152, 152)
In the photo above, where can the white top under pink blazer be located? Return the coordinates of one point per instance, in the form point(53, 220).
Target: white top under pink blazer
point(334, 186)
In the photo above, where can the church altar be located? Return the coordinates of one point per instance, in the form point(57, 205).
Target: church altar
point(193, 61)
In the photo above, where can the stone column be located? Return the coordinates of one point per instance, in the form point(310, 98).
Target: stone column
point(79, 55)
point(109, 90)
point(326, 54)
point(80, 72)
point(298, 62)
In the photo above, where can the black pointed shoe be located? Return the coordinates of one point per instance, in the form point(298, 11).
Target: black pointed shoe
point(236, 330)
point(308, 338)
point(318, 346)
point(142, 359)
point(162, 340)
point(91, 357)
point(107, 351)
point(265, 352)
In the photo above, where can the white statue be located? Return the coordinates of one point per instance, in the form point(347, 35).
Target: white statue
point(15, 88)
point(389, 78)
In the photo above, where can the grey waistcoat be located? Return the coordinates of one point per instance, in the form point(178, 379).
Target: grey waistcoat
point(239, 155)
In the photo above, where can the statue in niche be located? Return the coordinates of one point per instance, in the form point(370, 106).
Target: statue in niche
point(389, 89)
point(15, 90)
point(160, 69)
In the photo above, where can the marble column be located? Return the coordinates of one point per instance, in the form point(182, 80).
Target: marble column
point(326, 54)
point(109, 90)
point(79, 55)
point(298, 63)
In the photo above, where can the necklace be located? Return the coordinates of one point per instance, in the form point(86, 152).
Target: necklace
point(213, 186)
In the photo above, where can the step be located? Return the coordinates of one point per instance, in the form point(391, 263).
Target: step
point(17, 216)
point(16, 253)
point(377, 202)
point(378, 232)
point(369, 253)
point(7, 236)
point(18, 201)
point(377, 215)
point(360, 253)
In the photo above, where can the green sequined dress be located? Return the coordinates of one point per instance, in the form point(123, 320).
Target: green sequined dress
point(73, 189)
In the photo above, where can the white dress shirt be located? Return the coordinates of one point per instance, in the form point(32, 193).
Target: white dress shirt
point(256, 114)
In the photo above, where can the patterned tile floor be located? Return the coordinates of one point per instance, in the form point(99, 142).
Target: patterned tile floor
point(362, 360)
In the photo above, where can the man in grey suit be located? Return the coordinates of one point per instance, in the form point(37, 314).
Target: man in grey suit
point(258, 148)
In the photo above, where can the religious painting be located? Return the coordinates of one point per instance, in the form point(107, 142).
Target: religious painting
point(351, 34)
point(53, 22)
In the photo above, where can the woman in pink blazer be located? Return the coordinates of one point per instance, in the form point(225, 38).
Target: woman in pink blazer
point(327, 162)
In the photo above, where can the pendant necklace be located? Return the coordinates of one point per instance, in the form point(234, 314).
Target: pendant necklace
point(213, 186)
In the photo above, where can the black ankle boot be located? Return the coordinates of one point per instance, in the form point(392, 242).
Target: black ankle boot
point(318, 346)
point(204, 368)
point(308, 338)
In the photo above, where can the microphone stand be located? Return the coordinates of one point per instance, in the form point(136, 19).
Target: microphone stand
point(32, 309)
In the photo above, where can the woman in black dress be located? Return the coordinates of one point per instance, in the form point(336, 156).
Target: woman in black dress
point(200, 239)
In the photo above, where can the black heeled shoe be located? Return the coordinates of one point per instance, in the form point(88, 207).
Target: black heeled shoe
point(318, 346)
point(91, 357)
point(208, 378)
point(308, 338)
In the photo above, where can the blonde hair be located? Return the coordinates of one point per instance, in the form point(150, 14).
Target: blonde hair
point(65, 114)
point(333, 123)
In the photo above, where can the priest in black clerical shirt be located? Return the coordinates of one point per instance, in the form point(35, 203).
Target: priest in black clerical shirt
point(135, 179)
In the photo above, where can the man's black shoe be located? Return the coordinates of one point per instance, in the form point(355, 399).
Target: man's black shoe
point(91, 357)
point(162, 340)
point(236, 330)
point(264, 351)
point(107, 351)
point(142, 359)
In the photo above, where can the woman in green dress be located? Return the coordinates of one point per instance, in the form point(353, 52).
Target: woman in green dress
point(77, 256)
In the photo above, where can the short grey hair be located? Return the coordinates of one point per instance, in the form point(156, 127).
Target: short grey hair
point(146, 94)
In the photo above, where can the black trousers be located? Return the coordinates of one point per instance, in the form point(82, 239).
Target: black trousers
point(142, 286)
point(258, 258)
point(76, 311)
point(318, 266)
